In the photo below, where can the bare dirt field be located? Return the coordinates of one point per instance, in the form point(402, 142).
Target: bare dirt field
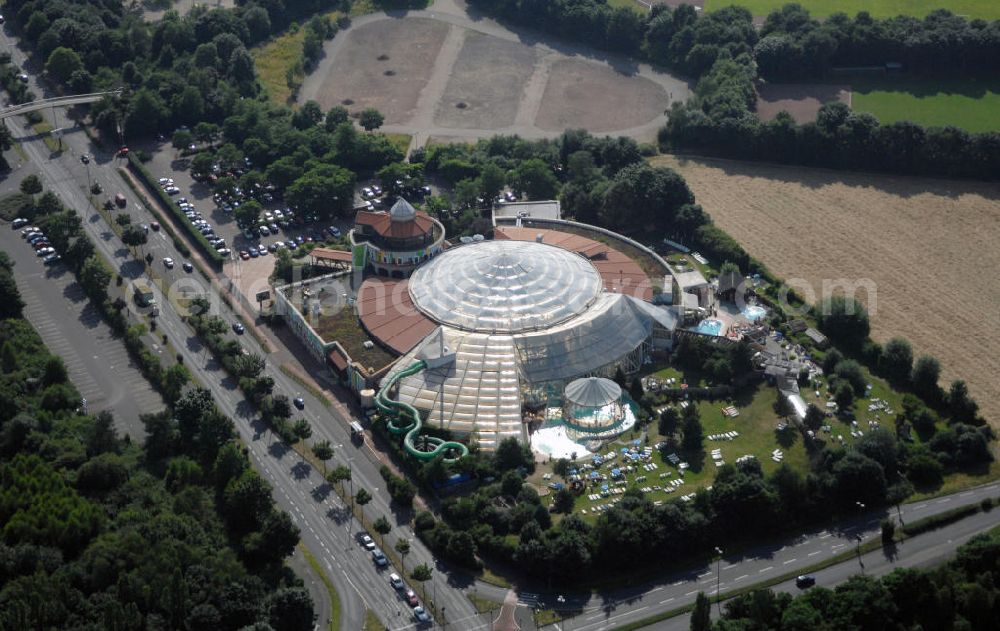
point(384, 64)
point(486, 83)
point(801, 100)
point(930, 246)
point(597, 98)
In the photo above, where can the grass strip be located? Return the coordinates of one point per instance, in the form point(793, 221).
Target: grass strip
point(917, 527)
point(330, 589)
point(313, 390)
point(372, 623)
point(44, 129)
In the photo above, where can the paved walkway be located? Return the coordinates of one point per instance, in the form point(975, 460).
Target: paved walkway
point(421, 124)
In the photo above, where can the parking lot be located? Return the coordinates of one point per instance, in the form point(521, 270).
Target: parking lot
point(279, 226)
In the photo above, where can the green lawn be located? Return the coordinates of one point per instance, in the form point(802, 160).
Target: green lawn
point(986, 9)
point(969, 104)
point(628, 4)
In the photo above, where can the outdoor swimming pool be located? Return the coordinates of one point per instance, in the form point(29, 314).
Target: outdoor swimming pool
point(754, 313)
point(709, 327)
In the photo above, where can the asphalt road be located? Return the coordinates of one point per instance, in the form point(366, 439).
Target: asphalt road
point(326, 530)
point(72, 328)
point(926, 550)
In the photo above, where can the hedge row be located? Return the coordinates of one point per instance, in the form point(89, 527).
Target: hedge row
point(151, 184)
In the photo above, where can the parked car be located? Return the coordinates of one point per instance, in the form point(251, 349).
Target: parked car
point(244, 255)
point(155, 226)
point(51, 259)
point(367, 542)
point(238, 328)
point(253, 253)
point(299, 403)
point(165, 181)
point(45, 252)
point(17, 223)
point(411, 598)
point(172, 190)
point(84, 158)
point(421, 615)
point(395, 581)
point(334, 231)
point(187, 267)
point(23, 78)
point(29, 230)
point(273, 227)
point(120, 200)
point(168, 263)
point(379, 558)
point(805, 581)
point(265, 231)
point(41, 243)
point(262, 249)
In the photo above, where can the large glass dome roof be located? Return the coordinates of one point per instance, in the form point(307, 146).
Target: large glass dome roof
point(505, 286)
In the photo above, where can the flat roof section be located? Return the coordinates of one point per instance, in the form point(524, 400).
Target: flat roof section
point(620, 273)
point(387, 313)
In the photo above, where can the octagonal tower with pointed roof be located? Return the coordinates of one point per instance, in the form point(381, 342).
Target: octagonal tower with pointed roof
point(397, 241)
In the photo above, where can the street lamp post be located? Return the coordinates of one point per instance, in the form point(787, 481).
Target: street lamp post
point(718, 577)
point(860, 562)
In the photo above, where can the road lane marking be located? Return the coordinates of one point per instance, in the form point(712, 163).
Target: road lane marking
point(692, 592)
point(943, 500)
point(741, 577)
point(814, 553)
point(663, 602)
point(789, 561)
point(767, 569)
point(824, 536)
point(708, 573)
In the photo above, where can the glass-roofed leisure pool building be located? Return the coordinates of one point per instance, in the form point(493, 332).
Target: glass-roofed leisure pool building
point(490, 332)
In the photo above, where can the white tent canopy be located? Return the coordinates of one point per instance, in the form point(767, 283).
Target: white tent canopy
point(592, 392)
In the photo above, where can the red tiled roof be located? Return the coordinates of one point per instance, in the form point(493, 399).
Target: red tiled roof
point(382, 224)
point(327, 254)
point(619, 272)
point(387, 313)
point(337, 358)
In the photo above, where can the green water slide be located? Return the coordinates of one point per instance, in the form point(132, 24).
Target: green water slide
point(405, 419)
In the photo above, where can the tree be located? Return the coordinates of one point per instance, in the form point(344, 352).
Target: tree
point(534, 178)
point(323, 451)
point(248, 214)
point(102, 436)
point(134, 236)
point(94, 278)
point(362, 497)
point(11, 304)
point(62, 63)
point(174, 380)
point(403, 549)
point(692, 429)
point(845, 321)
point(814, 417)
point(701, 615)
point(421, 573)
point(897, 361)
point(511, 454)
point(925, 378)
point(961, 405)
point(340, 474)
point(337, 115)
point(851, 372)
point(31, 185)
point(324, 190)
point(491, 181)
point(370, 119)
point(382, 527)
point(309, 115)
point(563, 501)
point(291, 609)
point(302, 429)
point(844, 397)
point(181, 139)
point(668, 421)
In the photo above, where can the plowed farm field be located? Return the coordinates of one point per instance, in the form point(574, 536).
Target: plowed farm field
point(928, 248)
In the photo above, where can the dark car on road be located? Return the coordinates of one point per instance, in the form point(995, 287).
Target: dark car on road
point(299, 403)
point(805, 581)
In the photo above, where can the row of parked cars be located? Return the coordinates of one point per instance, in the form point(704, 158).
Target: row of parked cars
point(195, 218)
point(37, 239)
point(420, 614)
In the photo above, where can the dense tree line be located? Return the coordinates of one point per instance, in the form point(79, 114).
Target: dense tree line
point(100, 533)
point(720, 120)
point(679, 38)
point(961, 594)
point(793, 45)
